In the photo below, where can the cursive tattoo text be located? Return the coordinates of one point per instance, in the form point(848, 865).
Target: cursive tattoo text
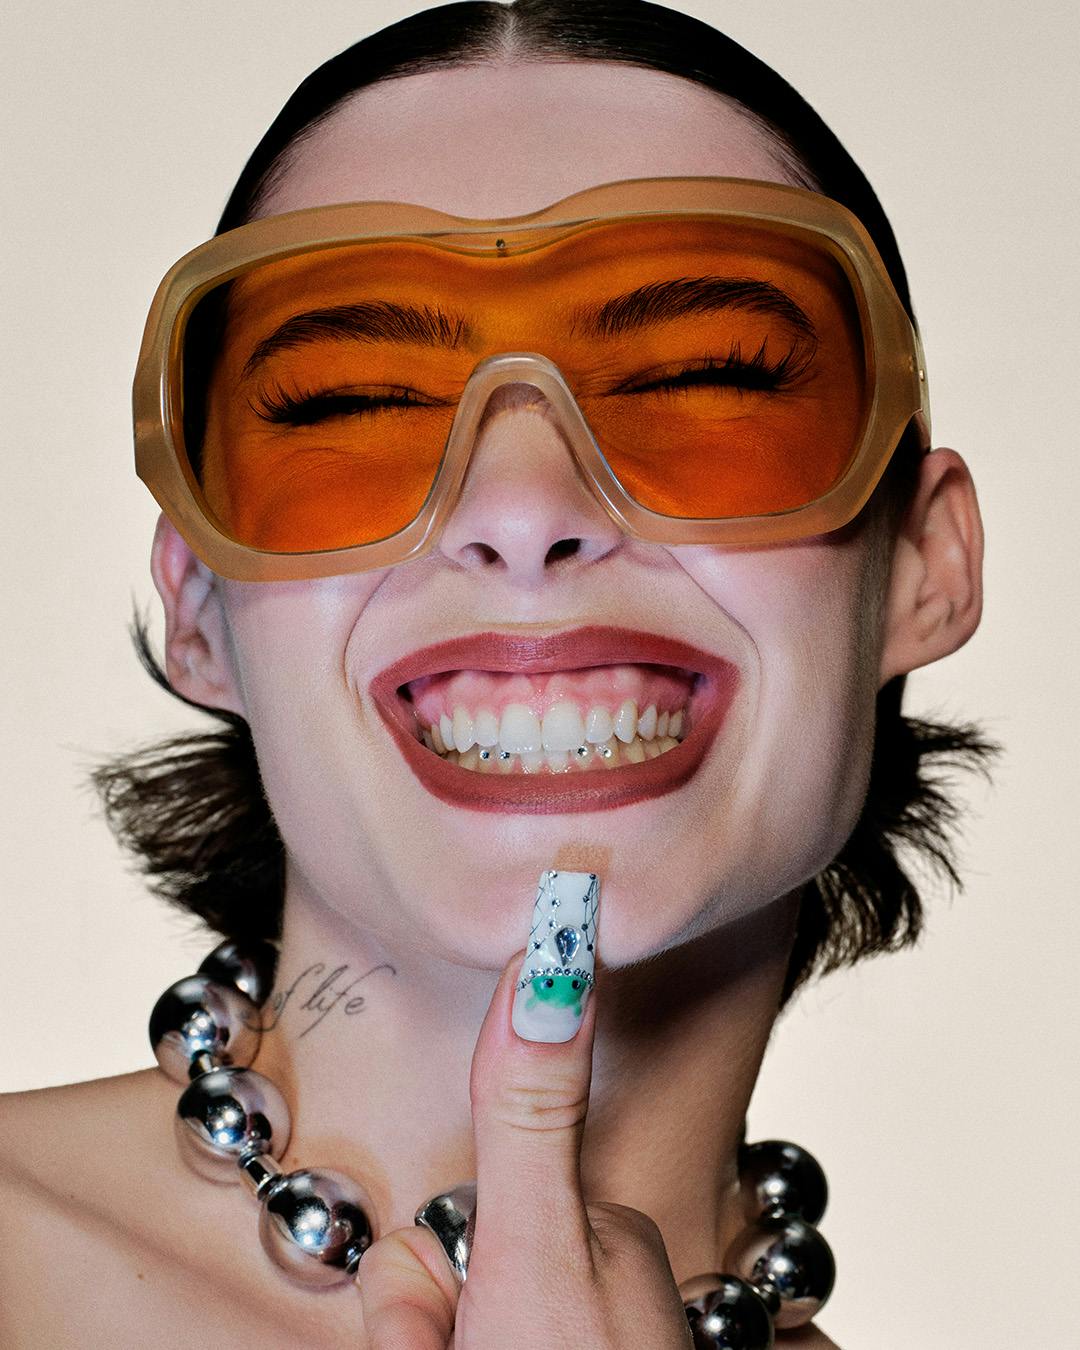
point(319, 991)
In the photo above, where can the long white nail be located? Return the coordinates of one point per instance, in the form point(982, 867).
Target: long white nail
point(556, 976)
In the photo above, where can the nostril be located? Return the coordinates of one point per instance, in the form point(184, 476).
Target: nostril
point(562, 548)
point(483, 553)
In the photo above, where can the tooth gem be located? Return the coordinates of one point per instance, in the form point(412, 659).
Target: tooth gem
point(567, 940)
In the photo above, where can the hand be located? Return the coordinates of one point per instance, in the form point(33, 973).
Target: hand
point(546, 1269)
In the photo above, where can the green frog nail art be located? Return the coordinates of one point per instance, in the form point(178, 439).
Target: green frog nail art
point(562, 991)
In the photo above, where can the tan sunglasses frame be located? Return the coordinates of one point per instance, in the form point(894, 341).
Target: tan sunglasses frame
point(897, 369)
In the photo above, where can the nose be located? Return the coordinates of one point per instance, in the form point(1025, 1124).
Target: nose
point(526, 510)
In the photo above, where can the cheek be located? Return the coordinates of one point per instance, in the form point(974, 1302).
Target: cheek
point(810, 612)
point(289, 641)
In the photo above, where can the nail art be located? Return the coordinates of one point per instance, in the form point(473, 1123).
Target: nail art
point(556, 975)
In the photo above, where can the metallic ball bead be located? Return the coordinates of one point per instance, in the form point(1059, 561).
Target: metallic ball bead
point(226, 1113)
point(196, 1016)
point(787, 1256)
point(452, 1218)
point(250, 967)
point(312, 1224)
point(726, 1314)
point(776, 1177)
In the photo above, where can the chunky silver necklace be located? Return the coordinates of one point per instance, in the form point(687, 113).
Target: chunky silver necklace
point(232, 1122)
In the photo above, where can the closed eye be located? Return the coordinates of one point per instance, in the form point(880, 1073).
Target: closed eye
point(758, 372)
point(308, 408)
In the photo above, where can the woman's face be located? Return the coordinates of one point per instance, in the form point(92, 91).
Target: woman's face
point(778, 789)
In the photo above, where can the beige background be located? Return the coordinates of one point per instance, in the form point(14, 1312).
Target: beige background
point(938, 1087)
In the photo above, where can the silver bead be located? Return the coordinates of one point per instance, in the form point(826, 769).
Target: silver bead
point(788, 1257)
point(312, 1224)
point(249, 967)
point(452, 1218)
point(226, 1113)
point(776, 1177)
point(197, 1016)
point(726, 1314)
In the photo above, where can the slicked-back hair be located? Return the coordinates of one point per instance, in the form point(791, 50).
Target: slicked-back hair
point(192, 809)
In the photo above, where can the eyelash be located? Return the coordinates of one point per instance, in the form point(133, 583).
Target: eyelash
point(304, 409)
point(756, 373)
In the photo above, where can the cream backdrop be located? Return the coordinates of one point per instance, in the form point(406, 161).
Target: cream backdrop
point(937, 1087)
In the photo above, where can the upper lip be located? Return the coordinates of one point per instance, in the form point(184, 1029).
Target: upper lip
point(532, 654)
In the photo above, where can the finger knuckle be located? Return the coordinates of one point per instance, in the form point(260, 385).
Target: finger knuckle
point(540, 1108)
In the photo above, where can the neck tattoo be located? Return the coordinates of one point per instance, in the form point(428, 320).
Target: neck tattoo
point(317, 991)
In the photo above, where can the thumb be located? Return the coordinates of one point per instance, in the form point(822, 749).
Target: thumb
point(531, 1073)
point(408, 1292)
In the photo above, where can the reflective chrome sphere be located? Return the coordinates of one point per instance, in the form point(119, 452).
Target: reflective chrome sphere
point(225, 1113)
point(249, 967)
point(776, 1177)
point(312, 1224)
point(726, 1314)
point(790, 1257)
point(195, 1016)
point(452, 1218)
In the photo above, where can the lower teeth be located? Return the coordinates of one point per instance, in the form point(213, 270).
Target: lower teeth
point(610, 755)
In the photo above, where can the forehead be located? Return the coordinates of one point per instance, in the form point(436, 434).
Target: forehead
point(508, 138)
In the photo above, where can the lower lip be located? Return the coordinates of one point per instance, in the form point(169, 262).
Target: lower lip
point(577, 789)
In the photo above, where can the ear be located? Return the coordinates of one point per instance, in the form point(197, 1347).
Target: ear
point(934, 597)
point(198, 653)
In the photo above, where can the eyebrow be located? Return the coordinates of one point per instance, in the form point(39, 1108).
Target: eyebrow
point(377, 321)
point(661, 301)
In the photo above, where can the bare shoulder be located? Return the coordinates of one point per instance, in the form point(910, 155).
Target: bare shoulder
point(40, 1125)
point(104, 1233)
point(67, 1176)
point(78, 1149)
point(73, 1145)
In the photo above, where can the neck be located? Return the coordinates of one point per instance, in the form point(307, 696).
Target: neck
point(372, 1049)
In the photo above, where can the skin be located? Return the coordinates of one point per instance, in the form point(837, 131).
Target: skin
point(424, 925)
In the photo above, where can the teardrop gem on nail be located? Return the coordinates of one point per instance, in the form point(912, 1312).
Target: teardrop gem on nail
point(567, 940)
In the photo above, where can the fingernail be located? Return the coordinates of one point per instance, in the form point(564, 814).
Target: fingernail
point(556, 976)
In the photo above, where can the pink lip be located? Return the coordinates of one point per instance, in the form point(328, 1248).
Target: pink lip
point(550, 794)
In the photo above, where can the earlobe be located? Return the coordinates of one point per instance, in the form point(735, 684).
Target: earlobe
point(198, 654)
point(934, 596)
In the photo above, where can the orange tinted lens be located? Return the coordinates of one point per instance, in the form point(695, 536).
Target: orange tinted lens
point(735, 370)
point(317, 402)
point(720, 366)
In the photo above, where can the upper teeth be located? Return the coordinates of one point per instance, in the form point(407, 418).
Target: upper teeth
point(563, 728)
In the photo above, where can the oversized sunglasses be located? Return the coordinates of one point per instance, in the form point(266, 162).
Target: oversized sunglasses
point(726, 360)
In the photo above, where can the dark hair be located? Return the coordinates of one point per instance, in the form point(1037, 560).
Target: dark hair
point(192, 808)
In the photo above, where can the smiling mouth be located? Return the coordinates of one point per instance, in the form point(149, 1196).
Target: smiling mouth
point(600, 717)
point(583, 720)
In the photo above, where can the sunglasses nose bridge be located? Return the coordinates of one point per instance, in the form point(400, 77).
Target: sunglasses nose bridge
point(518, 380)
point(502, 485)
